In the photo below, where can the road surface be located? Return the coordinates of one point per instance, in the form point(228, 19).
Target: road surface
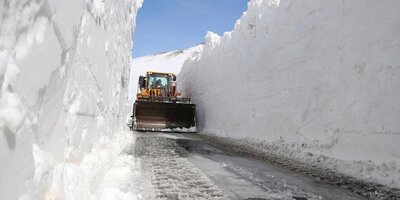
point(187, 166)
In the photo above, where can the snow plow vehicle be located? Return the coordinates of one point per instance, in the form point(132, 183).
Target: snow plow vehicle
point(159, 107)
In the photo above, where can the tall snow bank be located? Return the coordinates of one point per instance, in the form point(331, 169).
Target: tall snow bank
point(318, 80)
point(63, 78)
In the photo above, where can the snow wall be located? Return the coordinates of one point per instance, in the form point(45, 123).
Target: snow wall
point(64, 68)
point(318, 81)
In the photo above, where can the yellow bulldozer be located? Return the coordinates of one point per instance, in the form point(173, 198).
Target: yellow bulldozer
point(160, 107)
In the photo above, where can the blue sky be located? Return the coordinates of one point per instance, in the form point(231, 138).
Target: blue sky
point(165, 25)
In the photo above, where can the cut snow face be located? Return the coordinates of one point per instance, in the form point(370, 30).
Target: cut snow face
point(64, 78)
point(162, 62)
point(321, 79)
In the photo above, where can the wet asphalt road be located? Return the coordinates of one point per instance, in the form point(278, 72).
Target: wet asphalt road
point(232, 176)
point(247, 178)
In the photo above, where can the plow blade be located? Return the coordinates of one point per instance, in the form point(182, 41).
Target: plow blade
point(161, 116)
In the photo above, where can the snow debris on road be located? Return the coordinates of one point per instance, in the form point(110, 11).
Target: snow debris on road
point(172, 175)
point(320, 78)
point(180, 130)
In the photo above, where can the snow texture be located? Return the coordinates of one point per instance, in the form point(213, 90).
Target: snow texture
point(63, 90)
point(315, 79)
point(172, 175)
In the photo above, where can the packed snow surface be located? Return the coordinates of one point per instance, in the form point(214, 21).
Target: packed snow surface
point(317, 81)
point(161, 62)
point(64, 69)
